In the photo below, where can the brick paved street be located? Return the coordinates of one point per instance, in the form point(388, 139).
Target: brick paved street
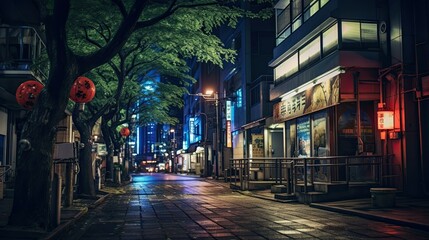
point(164, 206)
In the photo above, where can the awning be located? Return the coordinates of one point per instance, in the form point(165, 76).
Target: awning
point(253, 124)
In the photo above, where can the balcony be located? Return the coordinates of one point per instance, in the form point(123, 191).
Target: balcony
point(20, 49)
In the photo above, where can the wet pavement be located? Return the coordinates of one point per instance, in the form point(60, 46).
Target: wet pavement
point(165, 206)
point(169, 206)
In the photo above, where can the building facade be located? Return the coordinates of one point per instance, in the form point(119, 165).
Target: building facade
point(20, 46)
point(340, 67)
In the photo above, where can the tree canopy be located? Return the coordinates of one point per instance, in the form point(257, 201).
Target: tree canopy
point(152, 21)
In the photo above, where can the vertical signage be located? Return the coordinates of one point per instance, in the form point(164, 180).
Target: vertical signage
point(191, 130)
point(228, 124)
point(228, 110)
point(228, 134)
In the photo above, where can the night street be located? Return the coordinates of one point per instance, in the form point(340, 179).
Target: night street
point(166, 206)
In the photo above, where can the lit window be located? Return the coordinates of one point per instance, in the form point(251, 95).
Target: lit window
point(330, 39)
point(296, 24)
point(323, 2)
point(369, 34)
point(239, 94)
point(286, 68)
point(351, 32)
point(310, 52)
point(358, 35)
point(311, 7)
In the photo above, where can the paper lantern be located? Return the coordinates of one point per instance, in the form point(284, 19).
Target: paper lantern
point(125, 132)
point(83, 90)
point(27, 93)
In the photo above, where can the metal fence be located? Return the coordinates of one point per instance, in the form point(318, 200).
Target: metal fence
point(303, 172)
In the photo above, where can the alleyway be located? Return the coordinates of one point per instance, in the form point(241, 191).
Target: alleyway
point(164, 206)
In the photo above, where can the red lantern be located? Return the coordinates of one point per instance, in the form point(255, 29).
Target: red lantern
point(83, 90)
point(125, 132)
point(27, 93)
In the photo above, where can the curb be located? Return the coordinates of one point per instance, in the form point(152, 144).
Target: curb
point(264, 197)
point(371, 216)
point(54, 234)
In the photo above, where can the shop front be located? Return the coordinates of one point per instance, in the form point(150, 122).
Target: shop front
point(330, 116)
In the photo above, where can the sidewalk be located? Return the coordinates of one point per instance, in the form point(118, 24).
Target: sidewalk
point(69, 215)
point(410, 212)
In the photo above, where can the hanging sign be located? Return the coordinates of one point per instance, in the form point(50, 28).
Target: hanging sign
point(385, 120)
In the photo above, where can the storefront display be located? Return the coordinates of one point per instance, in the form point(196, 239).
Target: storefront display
point(290, 139)
point(303, 135)
point(320, 146)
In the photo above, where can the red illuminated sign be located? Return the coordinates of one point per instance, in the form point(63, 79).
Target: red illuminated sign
point(385, 120)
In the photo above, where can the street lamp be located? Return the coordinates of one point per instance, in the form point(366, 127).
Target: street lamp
point(211, 96)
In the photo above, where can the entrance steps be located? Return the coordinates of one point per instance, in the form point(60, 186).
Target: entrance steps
point(321, 192)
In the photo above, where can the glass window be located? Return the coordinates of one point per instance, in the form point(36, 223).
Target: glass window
point(283, 19)
point(296, 24)
point(330, 39)
point(310, 8)
point(369, 34)
point(323, 2)
point(286, 68)
point(358, 35)
point(320, 139)
point(303, 136)
point(283, 36)
point(239, 94)
point(296, 8)
point(308, 2)
point(309, 53)
point(291, 139)
point(350, 33)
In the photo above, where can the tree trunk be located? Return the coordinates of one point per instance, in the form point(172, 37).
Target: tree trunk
point(32, 202)
point(110, 148)
point(86, 175)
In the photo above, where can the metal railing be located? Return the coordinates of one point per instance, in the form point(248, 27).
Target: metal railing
point(5, 173)
point(304, 172)
point(20, 48)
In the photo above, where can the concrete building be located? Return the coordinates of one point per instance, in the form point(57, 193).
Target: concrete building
point(341, 70)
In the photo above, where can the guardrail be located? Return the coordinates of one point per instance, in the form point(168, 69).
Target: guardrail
point(303, 172)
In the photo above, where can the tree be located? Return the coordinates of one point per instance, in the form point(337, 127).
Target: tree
point(32, 199)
